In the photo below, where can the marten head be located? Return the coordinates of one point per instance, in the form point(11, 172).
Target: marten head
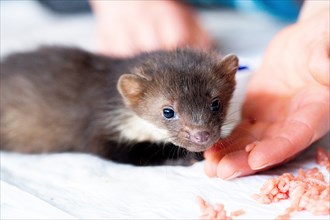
point(184, 92)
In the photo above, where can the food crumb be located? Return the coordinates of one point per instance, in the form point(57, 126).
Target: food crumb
point(217, 212)
point(308, 190)
point(237, 213)
point(323, 158)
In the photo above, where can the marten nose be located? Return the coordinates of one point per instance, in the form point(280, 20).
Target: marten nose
point(200, 137)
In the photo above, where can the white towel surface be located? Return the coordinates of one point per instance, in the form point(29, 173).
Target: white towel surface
point(67, 185)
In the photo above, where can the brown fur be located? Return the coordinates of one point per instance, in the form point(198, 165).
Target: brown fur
point(60, 99)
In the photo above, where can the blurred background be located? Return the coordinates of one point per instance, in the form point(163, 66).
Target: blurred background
point(27, 24)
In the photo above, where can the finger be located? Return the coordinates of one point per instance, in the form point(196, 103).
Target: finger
point(147, 38)
point(120, 44)
point(173, 34)
point(297, 133)
point(234, 165)
point(246, 132)
point(199, 38)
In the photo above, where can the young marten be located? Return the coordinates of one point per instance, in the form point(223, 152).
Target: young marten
point(137, 110)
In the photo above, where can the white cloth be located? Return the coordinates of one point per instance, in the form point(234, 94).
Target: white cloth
point(68, 185)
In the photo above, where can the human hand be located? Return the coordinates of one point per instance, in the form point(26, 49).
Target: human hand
point(286, 107)
point(125, 28)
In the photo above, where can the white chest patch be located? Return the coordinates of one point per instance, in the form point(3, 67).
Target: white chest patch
point(138, 129)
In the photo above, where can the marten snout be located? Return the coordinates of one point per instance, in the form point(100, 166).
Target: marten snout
point(197, 138)
point(200, 137)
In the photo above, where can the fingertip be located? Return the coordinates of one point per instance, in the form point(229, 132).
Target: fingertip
point(210, 168)
point(212, 157)
point(250, 147)
point(234, 165)
point(262, 156)
point(257, 159)
point(259, 164)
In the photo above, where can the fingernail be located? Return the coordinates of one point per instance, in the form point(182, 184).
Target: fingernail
point(250, 147)
point(260, 167)
point(232, 176)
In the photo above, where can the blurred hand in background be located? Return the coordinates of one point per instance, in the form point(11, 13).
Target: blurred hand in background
point(126, 28)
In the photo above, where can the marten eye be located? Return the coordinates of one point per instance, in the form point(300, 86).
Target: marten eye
point(215, 106)
point(168, 113)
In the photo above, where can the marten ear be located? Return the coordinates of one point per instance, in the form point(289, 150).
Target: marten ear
point(228, 65)
point(139, 71)
point(131, 87)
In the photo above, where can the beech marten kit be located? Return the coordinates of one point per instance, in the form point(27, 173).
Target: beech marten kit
point(142, 110)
